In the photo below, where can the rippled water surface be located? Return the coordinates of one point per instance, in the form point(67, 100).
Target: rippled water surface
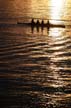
point(35, 63)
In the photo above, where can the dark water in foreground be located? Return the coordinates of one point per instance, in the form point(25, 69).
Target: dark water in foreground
point(35, 65)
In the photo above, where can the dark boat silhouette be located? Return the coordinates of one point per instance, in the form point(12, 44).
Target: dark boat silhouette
point(37, 24)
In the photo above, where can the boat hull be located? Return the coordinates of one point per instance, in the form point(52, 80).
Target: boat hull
point(41, 25)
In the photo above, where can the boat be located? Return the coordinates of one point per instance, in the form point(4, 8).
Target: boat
point(37, 24)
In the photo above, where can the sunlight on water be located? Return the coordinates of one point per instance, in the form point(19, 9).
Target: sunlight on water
point(57, 9)
point(55, 32)
point(35, 62)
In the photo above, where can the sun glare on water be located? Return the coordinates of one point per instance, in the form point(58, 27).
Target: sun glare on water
point(57, 7)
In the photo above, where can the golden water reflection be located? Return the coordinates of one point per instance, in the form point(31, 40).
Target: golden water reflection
point(56, 11)
point(37, 65)
point(55, 32)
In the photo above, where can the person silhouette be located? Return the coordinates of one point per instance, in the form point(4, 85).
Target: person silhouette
point(37, 23)
point(42, 25)
point(32, 22)
point(48, 23)
point(42, 22)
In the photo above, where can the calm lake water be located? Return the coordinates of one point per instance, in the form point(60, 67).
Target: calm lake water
point(35, 63)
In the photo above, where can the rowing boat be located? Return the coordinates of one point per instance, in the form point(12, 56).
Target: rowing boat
point(41, 25)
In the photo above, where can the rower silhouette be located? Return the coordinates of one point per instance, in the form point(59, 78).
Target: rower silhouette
point(32, 22)
point(48, 23)
point(37, 23)
point(42, 25)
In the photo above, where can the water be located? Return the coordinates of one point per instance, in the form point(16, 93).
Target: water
point(35, 64)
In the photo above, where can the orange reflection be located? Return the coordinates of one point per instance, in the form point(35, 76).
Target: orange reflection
point(55, 32)
point(56, 9)
point(40, 8)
